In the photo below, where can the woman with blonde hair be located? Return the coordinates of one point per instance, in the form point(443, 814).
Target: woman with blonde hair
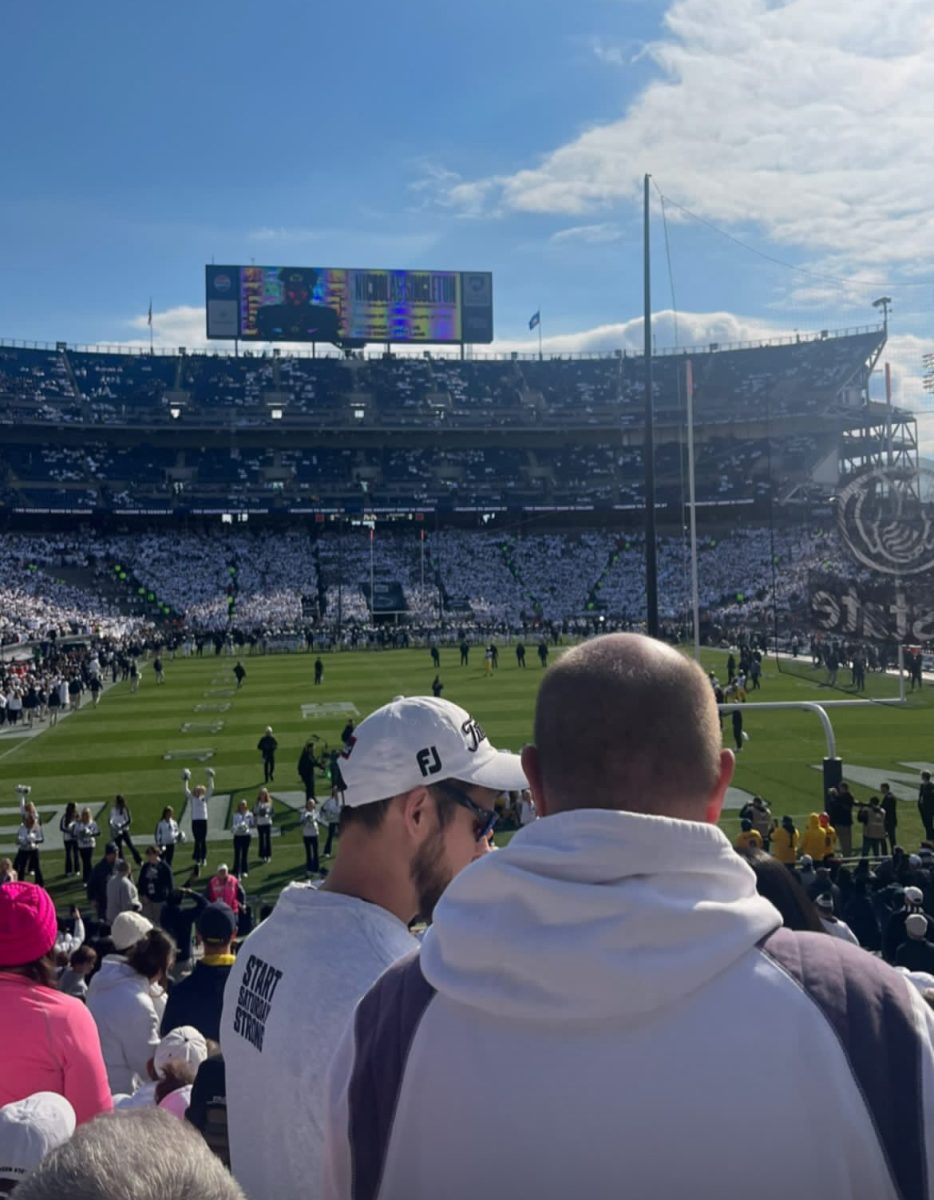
point(262, 815)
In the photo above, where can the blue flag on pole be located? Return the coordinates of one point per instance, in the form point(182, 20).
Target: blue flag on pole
point(535, 319)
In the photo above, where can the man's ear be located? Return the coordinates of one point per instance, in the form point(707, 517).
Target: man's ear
point(415, 809)
point(718, 795)
point(532, 768)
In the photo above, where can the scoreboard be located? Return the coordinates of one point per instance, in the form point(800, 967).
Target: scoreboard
point(337, 304)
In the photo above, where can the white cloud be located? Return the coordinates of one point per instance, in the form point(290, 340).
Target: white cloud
point(811, 118)
point(605, 231)
point(669, 329)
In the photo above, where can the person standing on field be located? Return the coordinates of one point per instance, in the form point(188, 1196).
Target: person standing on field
point(267, 746)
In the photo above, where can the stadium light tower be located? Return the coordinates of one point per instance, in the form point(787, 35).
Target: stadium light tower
point(883, 302)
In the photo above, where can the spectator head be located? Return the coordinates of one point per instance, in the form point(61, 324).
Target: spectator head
point(153, 854)
point(122, 867)
point(83, 960)
point(217, 927)
point(152, 956)
point(128, 928)
point(28, 929)
point(222, 872)
point(746, 825)
point(7, 874)
point(914, 897)
point(124, 1154)
point(643, 729)
point(29, 1130)
point(421, 786)
point(824, 820)
point(110, 851)
point(916, 926)
point(182, 1047)
point(805, 862)
point(779, 886)
point(824, 904)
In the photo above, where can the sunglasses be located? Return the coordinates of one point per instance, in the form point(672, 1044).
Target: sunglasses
point(485, 819)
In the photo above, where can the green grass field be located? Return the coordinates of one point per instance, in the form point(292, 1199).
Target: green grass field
point(120, 745)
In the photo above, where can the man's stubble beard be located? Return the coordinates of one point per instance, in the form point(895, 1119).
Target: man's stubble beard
point(429, 875)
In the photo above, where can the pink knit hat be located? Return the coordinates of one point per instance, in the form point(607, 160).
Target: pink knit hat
point(28, 925)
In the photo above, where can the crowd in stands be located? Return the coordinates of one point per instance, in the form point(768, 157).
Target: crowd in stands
point(309, 1055)
point(170, 466)
point(293, 581)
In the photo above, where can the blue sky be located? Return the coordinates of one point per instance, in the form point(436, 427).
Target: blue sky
point(509, 136)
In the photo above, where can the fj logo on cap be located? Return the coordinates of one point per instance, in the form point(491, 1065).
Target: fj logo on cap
point(473, 731)
point(428, 761)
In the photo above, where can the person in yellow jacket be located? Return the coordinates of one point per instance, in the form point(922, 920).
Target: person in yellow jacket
point(814, 841)
point(785, 841)
point(747, 838)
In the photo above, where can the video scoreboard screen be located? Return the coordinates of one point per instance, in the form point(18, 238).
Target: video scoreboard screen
point(336, 304)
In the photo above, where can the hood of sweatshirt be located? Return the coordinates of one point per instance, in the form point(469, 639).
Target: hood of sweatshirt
point(116, 972)
point(595, 914)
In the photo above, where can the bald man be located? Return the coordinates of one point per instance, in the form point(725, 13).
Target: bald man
point(599, 988)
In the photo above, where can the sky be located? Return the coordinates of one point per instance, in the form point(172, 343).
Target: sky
point(788, 145)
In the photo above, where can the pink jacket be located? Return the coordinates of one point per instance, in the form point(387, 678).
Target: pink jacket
point(49, 1043)
point(227, 892)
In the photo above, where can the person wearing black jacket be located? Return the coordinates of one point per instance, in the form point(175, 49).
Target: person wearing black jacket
point(267, 746)
point(199, 998)
point(926, 805)
point(307, 765)
point(179, 914)
point(155, 884)
point(97, 880)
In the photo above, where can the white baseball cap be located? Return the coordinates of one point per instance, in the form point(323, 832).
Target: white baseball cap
point(182, 1045)
point(421, 740)
point(30, 1129)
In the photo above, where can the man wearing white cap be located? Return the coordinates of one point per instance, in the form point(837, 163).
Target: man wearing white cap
point(421, 782)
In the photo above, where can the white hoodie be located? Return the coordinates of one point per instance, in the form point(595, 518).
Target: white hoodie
point(127, 1016)
point(602, 1013)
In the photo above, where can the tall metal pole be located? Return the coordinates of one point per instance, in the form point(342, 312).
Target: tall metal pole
point(692, 498)
point(648, 440)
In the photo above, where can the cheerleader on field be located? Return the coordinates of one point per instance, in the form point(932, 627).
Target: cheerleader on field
point(242, 829)
point(66, 825)
point(86, 834)
point(262, 815)
point(309, 820)
point(168, 834)
point(28, 840)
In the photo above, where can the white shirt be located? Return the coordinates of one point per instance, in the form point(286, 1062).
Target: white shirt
point(281, 1022)
point(29, 838)
point(242, 824)
point(168, 833)
point(85, 833)
point(199, 804)
point(309, 822)
point(263, 814)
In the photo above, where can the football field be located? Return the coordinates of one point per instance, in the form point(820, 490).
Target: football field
point(138, 744)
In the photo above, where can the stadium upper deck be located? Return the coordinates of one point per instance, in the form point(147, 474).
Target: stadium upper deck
point(202, 433)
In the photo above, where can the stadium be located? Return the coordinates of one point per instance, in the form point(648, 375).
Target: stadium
point(466, 608)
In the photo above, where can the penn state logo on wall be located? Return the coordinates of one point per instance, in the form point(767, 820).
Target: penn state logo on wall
point(884, 525)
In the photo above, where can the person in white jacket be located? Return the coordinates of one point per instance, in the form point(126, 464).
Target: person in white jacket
point(198, 799)
point(168, 834)
point(241, 827)
point(609, 974)
point(128, 1015)
point(262, 815)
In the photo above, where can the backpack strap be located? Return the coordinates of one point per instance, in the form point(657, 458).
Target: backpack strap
point(384, 1028)
point(868, 1006)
